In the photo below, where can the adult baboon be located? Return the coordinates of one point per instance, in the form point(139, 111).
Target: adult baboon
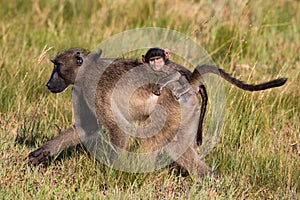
point(141, 109)
point(178, 125)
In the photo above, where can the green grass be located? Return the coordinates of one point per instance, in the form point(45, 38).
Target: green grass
point(256, 155)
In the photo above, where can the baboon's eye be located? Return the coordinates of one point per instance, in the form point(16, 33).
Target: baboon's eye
point(57, 68)
point(79, 59)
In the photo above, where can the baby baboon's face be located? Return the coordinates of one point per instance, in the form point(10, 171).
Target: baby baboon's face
point(156, 62)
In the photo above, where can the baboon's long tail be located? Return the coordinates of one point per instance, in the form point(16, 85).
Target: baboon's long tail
point(203, 69)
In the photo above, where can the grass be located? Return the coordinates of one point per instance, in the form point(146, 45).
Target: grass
point(257, 153)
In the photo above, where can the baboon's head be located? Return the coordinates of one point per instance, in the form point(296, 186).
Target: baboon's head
point(66, 65)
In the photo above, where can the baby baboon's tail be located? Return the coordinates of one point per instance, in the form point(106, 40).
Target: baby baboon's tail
point(196, 78)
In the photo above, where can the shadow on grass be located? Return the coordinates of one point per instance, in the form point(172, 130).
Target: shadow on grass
point(29, 140)
point(29, 135)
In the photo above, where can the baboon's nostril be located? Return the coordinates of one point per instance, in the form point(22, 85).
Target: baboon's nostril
point(48, 84)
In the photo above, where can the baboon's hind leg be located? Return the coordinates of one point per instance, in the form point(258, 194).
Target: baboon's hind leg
point(191, 161)
point(118, 142)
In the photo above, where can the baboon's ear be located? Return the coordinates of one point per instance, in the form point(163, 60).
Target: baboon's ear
point(99, 53)
point(143, 59)
point(79, 59)
point(54, 61)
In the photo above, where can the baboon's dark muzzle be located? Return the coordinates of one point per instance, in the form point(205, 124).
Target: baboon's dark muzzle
point(56, 84)
point(52, 88)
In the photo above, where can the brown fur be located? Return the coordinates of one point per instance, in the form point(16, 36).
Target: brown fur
point(139, 111)
point(67, 64)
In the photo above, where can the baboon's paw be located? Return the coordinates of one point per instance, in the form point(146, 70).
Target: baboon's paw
point(38, 156)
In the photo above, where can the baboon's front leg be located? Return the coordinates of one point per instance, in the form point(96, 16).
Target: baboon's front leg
point(64, 140)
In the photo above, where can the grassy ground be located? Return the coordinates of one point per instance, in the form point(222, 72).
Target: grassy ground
point(257, 154)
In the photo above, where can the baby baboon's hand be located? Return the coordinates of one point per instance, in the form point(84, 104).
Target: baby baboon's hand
point(156, 89)
point(38, 156)
point(177, 95)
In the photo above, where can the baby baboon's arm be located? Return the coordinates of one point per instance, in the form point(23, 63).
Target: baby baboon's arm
point(174, 76)
point(170, 78)
point(182, 90)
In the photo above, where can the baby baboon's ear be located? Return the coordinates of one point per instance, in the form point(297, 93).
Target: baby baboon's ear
point(79, 59)
point(143, 59)
point(167, 53)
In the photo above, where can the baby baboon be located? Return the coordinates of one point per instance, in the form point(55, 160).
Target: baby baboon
point(159, 60)
point(66, 69)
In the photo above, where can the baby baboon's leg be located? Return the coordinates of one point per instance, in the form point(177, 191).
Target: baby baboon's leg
point(64, 140)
